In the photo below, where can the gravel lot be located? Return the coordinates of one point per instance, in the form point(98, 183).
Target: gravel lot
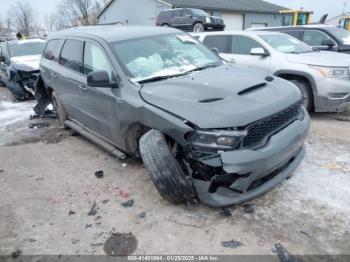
point(48, 186)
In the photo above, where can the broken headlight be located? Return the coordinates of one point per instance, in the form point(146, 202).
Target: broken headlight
point(216, 139)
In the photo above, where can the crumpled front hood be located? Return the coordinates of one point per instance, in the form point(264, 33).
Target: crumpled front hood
point(26, 63)
point(323, 58)
point(212, 98)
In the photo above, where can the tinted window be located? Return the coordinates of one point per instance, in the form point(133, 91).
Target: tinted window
point(95, 59)
point(177, 13)
point(165, 15)
point(315, 38)
point(186, 12)
point(72, 55)
point(198, 12)
point(295, 34)
point(221, 42)
point(242, 45)
point(52, 50)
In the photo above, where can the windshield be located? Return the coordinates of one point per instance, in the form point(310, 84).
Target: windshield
point(28, 48)
point(341, 35)
point(286, 44)
point(162, 55)
point(198, 12)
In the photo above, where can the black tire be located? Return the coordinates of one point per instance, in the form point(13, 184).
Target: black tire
point(62, 115)
point(17, 91)
point(164, 169)
point(198, 28)
point(308, 99)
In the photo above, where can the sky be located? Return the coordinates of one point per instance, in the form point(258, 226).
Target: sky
point(320, 7)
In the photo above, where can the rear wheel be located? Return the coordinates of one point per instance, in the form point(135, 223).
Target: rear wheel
point(306, 93)
point(165, 168)
point(198, 28)
point(62, 115)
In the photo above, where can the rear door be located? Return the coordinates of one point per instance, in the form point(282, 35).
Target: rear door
point(69, 77)
point(177, 19)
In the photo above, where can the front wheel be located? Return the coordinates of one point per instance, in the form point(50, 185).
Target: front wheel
point(165, 169)
point(198, 28)
point(306, 94)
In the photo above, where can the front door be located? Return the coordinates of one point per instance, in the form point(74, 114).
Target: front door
point(99, 104)
point(240, 52)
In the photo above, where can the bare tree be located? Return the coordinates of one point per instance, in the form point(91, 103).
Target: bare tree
point(23, 17)
point(79, 12)
point(50, 21)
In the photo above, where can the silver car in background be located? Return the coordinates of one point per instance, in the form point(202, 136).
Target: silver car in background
point(323, 77)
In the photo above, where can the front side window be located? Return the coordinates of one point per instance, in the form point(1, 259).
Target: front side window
point(52, 50)
point(315, 38)
point(162, 55)
point(26, 48)
point(286, 44)
point(95, 59)
point(242, 45)
point(72, 55)
point(221, 42)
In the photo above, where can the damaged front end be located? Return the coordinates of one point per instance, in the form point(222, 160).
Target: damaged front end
point(22, 83)
point(234, 165)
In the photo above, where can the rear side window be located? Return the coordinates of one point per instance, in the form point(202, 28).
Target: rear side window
point(242, 45)
point(165, 15)
point(52, 50)
point(177, 13)
point(72, 55)
point(221, 42)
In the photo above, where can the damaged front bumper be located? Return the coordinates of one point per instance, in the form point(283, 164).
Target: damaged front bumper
point(250, 173)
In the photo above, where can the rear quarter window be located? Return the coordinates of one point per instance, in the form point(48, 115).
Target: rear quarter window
point(72, 55)
point(52, 50)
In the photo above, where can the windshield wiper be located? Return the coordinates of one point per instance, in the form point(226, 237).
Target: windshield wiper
point(158, 78)
point(203, 67)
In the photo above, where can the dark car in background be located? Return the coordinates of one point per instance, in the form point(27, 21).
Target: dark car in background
point(323, 37)
point(203, 128)
point(19, 66)
point(190, 19)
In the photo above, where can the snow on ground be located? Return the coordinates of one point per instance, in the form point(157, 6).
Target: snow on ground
point(11, 112)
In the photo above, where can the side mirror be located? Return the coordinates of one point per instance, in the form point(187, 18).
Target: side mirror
point(100, 78)
point(328, 43)
point(216, 51)
point(258, 51)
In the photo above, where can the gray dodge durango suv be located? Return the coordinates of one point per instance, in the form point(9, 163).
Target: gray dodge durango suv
point(203, 128)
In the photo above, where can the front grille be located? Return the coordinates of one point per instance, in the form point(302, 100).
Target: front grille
point(260, 131)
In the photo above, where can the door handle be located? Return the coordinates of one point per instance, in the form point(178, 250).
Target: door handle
point(83, 87)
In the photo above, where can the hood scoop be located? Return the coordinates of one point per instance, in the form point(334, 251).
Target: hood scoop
point(251, 89)
point(210, 100)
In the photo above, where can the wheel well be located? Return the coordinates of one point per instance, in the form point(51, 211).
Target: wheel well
point(303, 79)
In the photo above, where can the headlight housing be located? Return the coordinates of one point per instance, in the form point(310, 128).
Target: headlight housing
point(208, 20)
point(216, 139)
point(332, 72)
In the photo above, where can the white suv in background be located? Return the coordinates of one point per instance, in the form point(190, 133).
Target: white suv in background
point(323, 77)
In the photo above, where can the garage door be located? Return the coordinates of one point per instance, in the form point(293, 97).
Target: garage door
point(233, 21)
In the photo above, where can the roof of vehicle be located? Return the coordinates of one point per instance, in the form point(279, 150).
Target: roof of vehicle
point(313, 26)
point(247, 33)
point(112, 33)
